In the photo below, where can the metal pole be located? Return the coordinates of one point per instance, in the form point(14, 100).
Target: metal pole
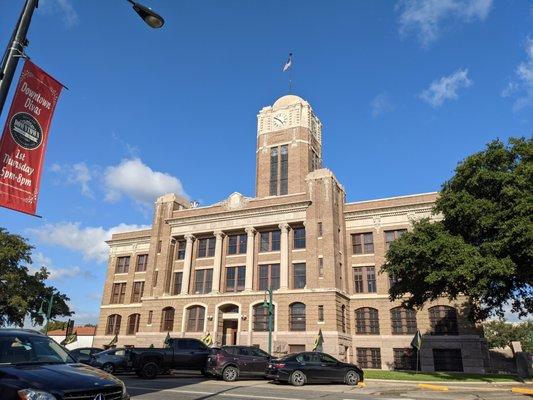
point(15, 49)
point(48, 313)
point(270, 317)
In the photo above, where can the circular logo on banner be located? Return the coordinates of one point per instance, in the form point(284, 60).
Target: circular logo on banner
point(26, 131)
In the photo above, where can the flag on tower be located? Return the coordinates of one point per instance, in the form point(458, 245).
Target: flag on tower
point(288, 64)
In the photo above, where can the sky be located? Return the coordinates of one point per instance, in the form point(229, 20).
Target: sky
point(405, 90)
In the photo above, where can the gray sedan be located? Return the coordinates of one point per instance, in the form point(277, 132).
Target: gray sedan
point(111, 360)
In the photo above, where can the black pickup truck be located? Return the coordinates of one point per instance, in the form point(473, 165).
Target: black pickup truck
point(180, 354)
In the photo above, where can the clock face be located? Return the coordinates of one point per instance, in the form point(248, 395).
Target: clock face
point(279, 120)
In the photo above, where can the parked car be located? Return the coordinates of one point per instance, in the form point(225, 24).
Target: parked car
point(180, 353)
point(33, 366)
point(111, 360)
point(83, 354)
point(306, 367)
point(232, 362)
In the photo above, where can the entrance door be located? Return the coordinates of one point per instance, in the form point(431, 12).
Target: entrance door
point(229, 332)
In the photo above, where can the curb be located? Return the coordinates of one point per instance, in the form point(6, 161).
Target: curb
point(439, 388)
point(451, 383)
point(522, 390)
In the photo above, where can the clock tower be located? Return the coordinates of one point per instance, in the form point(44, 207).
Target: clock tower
point(289, 146)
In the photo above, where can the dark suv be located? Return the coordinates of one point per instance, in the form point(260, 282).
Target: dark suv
point(231, 362)
point(33, 366)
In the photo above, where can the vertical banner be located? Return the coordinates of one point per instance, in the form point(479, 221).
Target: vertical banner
point(24, 138)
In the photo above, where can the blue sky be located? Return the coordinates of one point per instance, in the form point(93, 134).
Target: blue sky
point(404, 89)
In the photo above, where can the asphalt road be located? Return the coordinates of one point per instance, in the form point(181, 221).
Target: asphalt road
point(194, 387)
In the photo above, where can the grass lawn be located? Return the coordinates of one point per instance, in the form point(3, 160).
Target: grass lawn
point(438, 376)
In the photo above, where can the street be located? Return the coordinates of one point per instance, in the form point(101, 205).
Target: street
point(193, 387)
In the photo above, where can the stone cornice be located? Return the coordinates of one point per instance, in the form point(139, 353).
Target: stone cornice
point(420, 208)
point(239, 214)
point(134, 240)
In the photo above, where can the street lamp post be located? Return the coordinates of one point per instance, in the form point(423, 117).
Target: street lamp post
point(15, 47)
point(270, 307)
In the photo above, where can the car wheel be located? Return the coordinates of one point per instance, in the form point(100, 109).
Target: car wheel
point(149, 370)
point(108, 367)
point(230, 374)
point(351, 378)
point(298, 378)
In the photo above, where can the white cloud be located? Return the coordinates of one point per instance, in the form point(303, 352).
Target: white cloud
point(76, 174)
point(134, 179)
point(446, 88)
point(425, 18)
point(89, 241)
point(57, 274)
point(64, 8)
point(522, 85)
point(380, 105)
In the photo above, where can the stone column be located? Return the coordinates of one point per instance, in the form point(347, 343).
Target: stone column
point(249, 281)
point(284, 265)
point(187, 265)
point(217, 268)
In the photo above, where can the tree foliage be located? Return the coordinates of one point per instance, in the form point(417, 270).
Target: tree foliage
point(502, 334)
point(483, 247)
point(22, 292)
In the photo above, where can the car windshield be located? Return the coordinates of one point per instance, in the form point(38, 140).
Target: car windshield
point(24, 349)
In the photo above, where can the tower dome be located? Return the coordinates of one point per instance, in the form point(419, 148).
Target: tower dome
point(287, 100)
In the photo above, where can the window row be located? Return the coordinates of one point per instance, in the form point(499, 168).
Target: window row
point(237, 244)
point(443, 321)
point(118, 292)
point(363, 243)
point(123, 264)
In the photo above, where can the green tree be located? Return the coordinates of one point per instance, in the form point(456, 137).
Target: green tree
point(22, 292)
point(482, 249)
point(502, 334)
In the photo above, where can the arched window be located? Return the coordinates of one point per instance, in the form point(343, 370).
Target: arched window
point(167, 319)
point(403, 321)
point(260, 321)
point(133, 324)
point(195, 319)
point(443, 320)
point(113, 324)
point(343, 318)
point(297, 317)
point(367, 321)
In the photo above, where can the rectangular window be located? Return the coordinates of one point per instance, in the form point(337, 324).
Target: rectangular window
point(298, 271)
point(123, 265)
point(391, 236)
point(296, 348)
point(320, 267)
point(137, 292)
point(150, 316)
point(142, 259)
point(235, 279)
point(237, 244)
point(320, 229)
point(369, 357)
point(299, 238)
point(159, 246)
point(284, 170)
point(274, 171)
point(155, 278)
point(269, 241)
point(118, 293)
point(206, 247)
point(371, 279)
point(365, 280)
point(269, 277)
point(203, 281)
point(404, 359)
point(178, 277)
point(180, 250)
point(363, 243)
point(320, 313)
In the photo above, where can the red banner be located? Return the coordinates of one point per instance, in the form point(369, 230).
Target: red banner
point(24, 138)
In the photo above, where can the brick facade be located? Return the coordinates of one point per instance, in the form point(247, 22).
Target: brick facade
point(196, 243)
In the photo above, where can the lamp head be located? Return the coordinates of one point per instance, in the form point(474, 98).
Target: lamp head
point(152, 19)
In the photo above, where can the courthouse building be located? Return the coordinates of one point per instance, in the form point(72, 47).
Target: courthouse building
point(206, 269)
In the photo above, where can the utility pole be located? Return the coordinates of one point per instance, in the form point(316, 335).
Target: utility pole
point(270, 308)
